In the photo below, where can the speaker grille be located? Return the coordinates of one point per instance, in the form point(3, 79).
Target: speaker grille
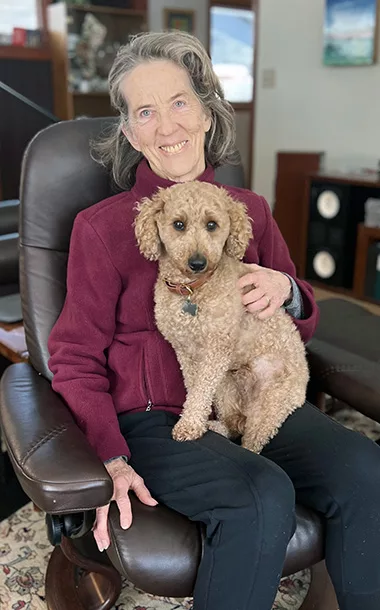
point(324, 264)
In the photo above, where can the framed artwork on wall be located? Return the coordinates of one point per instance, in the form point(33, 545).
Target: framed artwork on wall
point(179, 19)
point(350, 32)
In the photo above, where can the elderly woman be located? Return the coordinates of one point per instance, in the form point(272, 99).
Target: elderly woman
point(123, 383)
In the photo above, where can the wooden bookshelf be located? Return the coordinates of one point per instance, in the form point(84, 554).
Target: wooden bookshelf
point(65, 19)
point(91, 94)
point(366, 236)
point(108, 10)
point(26, 53)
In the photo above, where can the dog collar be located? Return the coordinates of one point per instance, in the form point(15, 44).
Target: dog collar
point(187, 289)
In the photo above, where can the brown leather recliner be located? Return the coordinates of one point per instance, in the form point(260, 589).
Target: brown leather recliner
point(52, 459)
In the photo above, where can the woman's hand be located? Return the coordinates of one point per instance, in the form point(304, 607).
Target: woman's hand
point(124, 479)
point(270, 290)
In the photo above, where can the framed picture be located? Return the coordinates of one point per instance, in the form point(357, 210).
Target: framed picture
point(350, 32)
point(178, 19)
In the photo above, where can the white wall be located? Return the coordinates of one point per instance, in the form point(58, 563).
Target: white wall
point(156, 15)
point(311, 107)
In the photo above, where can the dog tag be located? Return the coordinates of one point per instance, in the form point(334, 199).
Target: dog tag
point(189, 307)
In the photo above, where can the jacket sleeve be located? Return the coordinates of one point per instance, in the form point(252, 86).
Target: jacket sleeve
point(81, 336)
point(274, 254)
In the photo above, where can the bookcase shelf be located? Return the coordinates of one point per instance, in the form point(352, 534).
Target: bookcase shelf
point(26, 53)
point(108, 10)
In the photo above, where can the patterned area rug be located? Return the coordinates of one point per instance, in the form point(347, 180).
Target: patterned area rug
point(25, 551)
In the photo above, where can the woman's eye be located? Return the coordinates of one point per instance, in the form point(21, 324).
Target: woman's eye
point(179, 225)
point(145, 114)
point(179, 103)
point(211, 225)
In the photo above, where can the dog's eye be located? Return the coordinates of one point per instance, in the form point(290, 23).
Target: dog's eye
point(179, 225)
point(211, 225)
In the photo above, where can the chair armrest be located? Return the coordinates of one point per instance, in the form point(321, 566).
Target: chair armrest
point(56, 466)
point(345, 376)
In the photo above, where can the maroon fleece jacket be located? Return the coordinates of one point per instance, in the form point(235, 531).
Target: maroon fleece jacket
point(106, 354)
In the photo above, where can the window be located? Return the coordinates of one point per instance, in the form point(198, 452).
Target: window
point(232, 49)
point(19, 14)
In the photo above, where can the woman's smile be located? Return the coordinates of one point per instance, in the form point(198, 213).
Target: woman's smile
point(173, 149)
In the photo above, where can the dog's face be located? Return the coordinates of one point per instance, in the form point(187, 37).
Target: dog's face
point(192, 223)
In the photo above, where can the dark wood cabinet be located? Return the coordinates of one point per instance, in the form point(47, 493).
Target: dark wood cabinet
point(291, 182)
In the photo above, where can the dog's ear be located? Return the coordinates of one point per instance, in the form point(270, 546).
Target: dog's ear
point(240, 229)
point(146, 229)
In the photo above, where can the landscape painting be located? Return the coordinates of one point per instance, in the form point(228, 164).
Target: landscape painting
point(350, 32)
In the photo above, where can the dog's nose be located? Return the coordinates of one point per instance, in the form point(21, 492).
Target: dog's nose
point(197, 263)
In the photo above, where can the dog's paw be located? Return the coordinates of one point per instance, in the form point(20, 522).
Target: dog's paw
point(219, 428)
point(185, 430)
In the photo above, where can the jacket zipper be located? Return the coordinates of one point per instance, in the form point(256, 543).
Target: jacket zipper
point(149, 403)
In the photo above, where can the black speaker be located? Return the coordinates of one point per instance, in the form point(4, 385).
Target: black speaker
point(335, 212)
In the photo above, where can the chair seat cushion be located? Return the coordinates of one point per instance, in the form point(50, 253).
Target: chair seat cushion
point(344, 355)
point(350, 327)
point(161, 552)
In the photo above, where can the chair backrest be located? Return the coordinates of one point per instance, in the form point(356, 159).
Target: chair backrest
point(59, 179)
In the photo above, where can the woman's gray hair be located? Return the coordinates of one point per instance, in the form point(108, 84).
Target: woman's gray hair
point(113, 149)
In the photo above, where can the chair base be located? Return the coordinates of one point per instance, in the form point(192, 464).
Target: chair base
point(74, 582)
point(321, 594)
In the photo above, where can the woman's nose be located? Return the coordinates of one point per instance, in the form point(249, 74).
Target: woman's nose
point(166, 125)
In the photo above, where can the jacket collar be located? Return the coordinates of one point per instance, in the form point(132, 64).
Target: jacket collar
point(147, 182)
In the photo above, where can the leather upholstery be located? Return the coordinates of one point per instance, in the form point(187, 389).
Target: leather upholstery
point(46, 446)
point(52, 458)
point(338, 319)
point(346, 363)
point(161, 542)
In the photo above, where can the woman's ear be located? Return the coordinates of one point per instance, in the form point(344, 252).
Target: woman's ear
point(240, 229)
point(146, 229)
point(207, 123)
point(129, 134)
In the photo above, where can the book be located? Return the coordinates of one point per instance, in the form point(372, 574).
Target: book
point(19, 37)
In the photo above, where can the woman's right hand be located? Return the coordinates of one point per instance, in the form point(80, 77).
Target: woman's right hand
point(124, 479)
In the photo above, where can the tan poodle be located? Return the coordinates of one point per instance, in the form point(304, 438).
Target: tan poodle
point(253, 372)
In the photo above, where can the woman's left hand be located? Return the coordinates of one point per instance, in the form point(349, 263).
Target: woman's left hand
point(270, 290)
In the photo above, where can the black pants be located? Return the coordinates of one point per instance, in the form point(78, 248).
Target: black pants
point(247, 504)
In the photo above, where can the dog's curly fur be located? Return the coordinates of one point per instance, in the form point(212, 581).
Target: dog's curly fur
point(254, 372)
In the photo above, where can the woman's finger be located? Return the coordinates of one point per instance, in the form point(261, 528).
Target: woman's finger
point(269, 311)
point(124, 506)
point(252, 296)
point(259, 305)
point(249, 279)
point(142, 492)
point(100, 528)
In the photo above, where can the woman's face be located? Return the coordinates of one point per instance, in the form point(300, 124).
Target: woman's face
point(167, 123)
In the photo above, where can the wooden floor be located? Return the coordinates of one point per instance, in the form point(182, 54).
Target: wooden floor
point(322, 295)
